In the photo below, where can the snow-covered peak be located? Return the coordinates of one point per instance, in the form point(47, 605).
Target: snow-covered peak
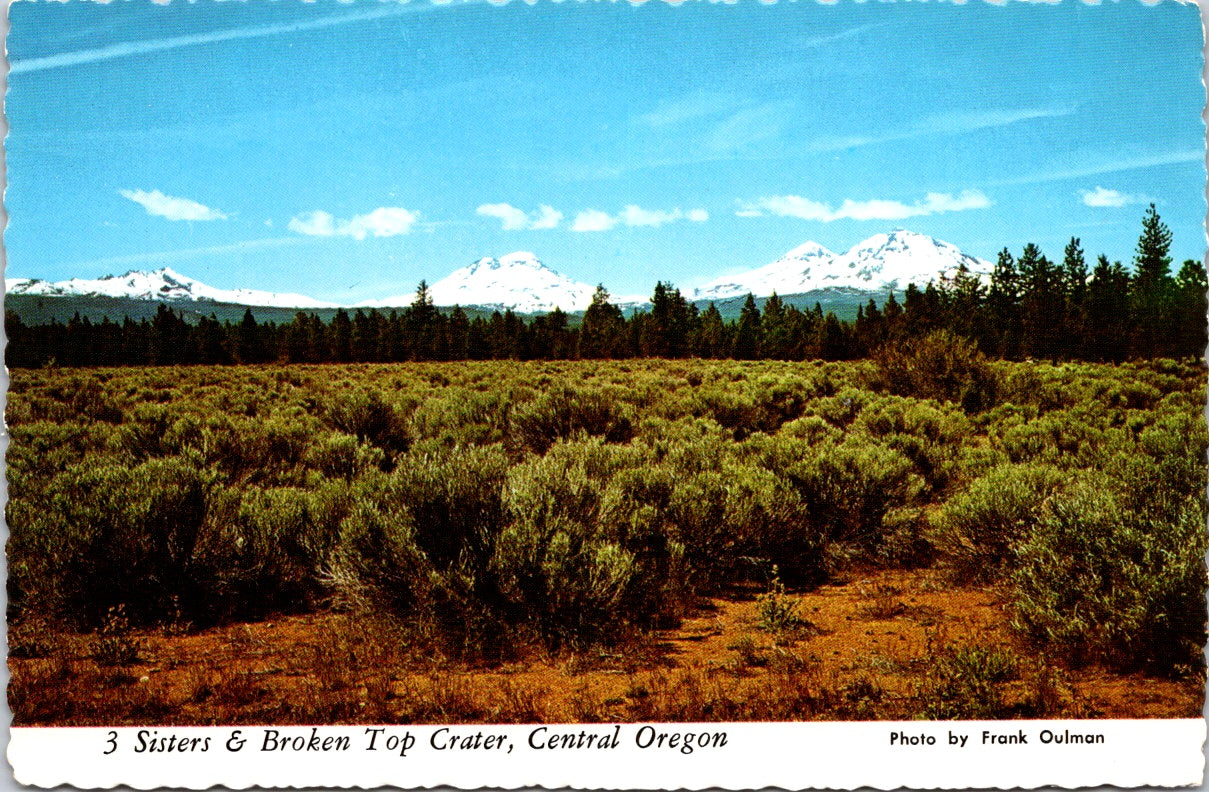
point(519, 281)
point(164, 284)
point(881, 262)
point(790, 274)
point(893, 260)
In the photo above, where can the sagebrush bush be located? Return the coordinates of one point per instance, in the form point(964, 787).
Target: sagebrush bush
point(493, 503)
point(337, 455)
point(266, 549)
point(377, 563)
point(455, 497)
point(939, 366)
point(563, 565)
point(369, 418)
point(109, 536)
point(463, 418)
point(565, 414)
point(1065, 438)
point(979, 528)
point(1099, 580)
point(847, 489)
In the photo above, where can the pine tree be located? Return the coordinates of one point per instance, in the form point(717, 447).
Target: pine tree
point(1151, 294)
point(249, 347)
point(774, 333)
point(341, 337)
point(1041, 303)
point(1108, 320)
point(1074, 289)
point(710, 338)
point(602, 334)
point(747, 334)
point(1189, 315)
point(1003, 307)
point(964, 303)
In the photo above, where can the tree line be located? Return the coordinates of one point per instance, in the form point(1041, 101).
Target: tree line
point(1030, 307)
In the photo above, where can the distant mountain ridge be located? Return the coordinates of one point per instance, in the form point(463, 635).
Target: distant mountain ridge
point(521, 282)
point(161, 285)
point(876, 265)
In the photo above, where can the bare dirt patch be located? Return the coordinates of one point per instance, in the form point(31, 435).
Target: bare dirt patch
point(882, 645)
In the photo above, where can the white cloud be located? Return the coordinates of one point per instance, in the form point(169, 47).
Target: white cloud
point(593, 220)
point(634, 216)
point(160, 205)
point(314, 224)
point(513, 219)
point(1103, 197)
point(385, 221)
point(547, 217)
point(876, 209)
point(637, 216)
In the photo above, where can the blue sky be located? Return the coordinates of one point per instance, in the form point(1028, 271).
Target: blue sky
point(346, 151)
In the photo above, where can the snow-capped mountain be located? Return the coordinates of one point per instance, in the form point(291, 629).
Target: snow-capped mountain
point(790, 274)
point(519, 281)
point(891, 261)
point(879, 263)
point(162, 284)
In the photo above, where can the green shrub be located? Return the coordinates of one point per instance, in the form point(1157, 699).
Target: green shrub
point(455, 498)
point(377, 564)
point(108, 536)
point(371, 420)
point(841, 409)
point(1101, 581)
point(342, 456)
point(561, 565)
point(939, 366)
point(463, 418)
point(566, 414)
point(266, 549)
point(777, 612)
point(977, 530)
point(1065, 438)
point(847, 489)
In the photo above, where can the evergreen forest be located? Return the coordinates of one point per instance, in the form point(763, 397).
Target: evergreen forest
point(1032, 307)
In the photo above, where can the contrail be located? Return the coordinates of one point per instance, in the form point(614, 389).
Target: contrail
point(1147, 161)
point(127, 49)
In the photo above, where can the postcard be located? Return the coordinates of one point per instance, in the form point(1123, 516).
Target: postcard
point(614, 395)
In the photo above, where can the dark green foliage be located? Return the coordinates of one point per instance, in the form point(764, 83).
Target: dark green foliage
point(264, 550)
point(1032, 308)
